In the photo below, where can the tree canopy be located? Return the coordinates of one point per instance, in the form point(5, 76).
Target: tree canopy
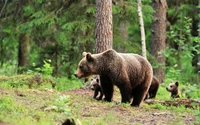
point(61, 30)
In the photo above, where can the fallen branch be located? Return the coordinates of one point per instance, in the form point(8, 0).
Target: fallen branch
point(188, 103)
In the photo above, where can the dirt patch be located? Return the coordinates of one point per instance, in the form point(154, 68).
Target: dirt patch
point(126, 114)
point(92, 112)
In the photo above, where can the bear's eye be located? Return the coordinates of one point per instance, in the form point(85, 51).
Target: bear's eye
point(171, 86)
point(80, 67)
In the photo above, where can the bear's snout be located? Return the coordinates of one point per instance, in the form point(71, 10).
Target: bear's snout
point(75, 75)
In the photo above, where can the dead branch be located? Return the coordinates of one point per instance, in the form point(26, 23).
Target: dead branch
point(188, 103)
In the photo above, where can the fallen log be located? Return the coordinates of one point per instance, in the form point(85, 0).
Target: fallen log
point(188, 103)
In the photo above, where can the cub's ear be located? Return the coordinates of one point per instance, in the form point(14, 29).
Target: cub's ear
point(89, 57)
point(176, 83)
point(84, 54)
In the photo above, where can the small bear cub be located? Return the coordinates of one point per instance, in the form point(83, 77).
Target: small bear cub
point(95, 85)
point(173, 88)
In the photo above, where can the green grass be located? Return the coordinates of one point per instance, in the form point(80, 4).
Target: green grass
point(34, 107)
point(41, 106)
point(21, 105)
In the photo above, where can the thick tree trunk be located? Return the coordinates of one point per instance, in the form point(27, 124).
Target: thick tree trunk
point(141, 22)
point(103, 33)
point(23, 51)
point(158, 36)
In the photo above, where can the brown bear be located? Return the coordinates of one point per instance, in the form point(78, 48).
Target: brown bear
point(153, 88)
point(95, 85)
point(131, 73)
point(173, 88)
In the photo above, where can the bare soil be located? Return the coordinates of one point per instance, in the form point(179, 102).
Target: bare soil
point(84, 108)
point(126, 115)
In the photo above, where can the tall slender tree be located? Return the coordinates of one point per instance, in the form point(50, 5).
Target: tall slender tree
point(103, 33)
point(198, 56)
point(158, 37)
point(141, 22)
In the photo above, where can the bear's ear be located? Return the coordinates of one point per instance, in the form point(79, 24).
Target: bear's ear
point(84, 54)
point(89, 57)
point(176, 83)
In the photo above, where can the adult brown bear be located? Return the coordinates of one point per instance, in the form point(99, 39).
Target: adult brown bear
point(131, 73)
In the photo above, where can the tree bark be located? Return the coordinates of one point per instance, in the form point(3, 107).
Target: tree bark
point(103, 33)
point(124, 35)
point(23, 51)
point(141, 23)
point(198, 56)
point(158, 37)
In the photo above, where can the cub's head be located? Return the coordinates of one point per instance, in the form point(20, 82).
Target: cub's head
point(86, 66)
point(173, 86)
point(94, 83)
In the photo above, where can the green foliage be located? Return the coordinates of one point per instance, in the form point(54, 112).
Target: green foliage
point(6, 104)
point(45, 70)
point(66, 84)
point(158, 106)
point(198, 116)
point(25, 81)
point(62, 105)
point(179, 59)
point(191, 91)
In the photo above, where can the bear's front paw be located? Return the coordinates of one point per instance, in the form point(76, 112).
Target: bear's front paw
point(99, 98)
point(107, 100)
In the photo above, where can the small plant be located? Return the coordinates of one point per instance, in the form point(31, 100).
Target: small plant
point(62, 104)
point(46, 69)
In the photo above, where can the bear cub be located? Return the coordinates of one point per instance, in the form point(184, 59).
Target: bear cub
point(153, 89)
point(95, 85)
point(173, 89)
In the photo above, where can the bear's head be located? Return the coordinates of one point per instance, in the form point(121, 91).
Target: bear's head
point(173, 86)
point(94, 83)
point(86, 66)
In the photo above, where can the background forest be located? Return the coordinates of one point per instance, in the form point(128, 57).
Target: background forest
point(38, 32)
point(41, 43)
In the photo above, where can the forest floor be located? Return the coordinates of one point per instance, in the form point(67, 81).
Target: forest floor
point(125, 114)
point(87, 111)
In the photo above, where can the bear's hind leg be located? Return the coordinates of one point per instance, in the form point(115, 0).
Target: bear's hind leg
point(138, 96)
point(126, 94)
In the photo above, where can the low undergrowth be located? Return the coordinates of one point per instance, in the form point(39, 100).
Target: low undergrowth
point(46, 105)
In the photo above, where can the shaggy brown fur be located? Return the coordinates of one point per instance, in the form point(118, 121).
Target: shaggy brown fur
point(131, 73)
point(173, 88)
point(153, 88)
point(95, 85)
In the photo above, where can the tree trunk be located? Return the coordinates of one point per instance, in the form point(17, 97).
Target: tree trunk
point(158, 36)
point(103, 33)
point(198, 56)
point(141, 22)
point(23, 51)
point(124, 35)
